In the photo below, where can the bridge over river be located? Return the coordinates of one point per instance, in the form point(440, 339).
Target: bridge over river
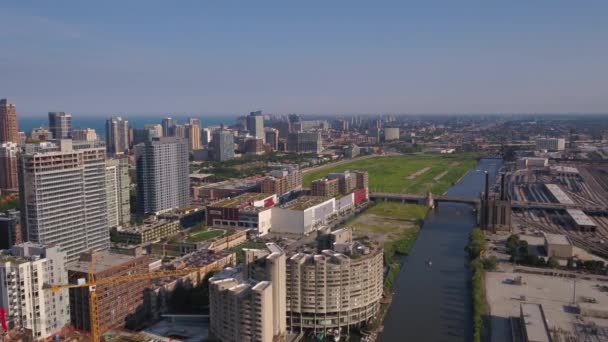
point(428, 199)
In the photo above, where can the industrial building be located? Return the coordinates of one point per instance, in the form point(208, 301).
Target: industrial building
point(531, 163)
point(558, 246)
point(534, 323)
point(151, 230)
point(249, 304)
point(119, 305)
point(303, 215)
point(581, 221)
point(249, 211)
point(558, 194)
point(24, 271)
point(336, 288)
point(63, 195)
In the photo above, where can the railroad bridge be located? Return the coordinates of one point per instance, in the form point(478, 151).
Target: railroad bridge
point(429, 199)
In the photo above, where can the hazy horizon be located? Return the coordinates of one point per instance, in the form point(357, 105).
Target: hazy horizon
point(321, 58)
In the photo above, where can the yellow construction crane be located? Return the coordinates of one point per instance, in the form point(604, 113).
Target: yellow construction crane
point(92, 283)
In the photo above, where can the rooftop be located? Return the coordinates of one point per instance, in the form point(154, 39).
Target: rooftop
point(147, 226)
point(534, 322)
point(580, 218)
point(557, 239)
point(103, 261)
point(305, 202)
point(240, 200)
point(559, 194)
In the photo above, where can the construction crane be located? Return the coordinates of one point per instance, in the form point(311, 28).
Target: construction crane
point(93, 282)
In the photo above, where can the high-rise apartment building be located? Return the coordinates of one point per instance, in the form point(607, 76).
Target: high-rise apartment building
point(41, 134)
point(255, 124)
point(117, 135)
point(158, 129)
point(162, 175)
point(223, 145)
point(250, 306)
point(551, 144)
point(305, 142)
point(63, 195)
point(24, 271)
point(118, 185)
point(193, 133)
point(194, 121)
point(206, 136)
point(179, 131)
point(168, 125)
point(272, 138)
point(84, 134)
point(10, 229)
point(60, 124)
point(9, 131)
point(8, 166)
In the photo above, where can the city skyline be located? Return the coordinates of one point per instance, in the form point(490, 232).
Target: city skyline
point(211, 58)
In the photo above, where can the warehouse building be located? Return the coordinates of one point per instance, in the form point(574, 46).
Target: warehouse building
point(581, 221)
point(303, 215)
point(534, 323)
point(558, 246)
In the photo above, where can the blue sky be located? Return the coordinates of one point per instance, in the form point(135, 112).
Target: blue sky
point(316, 57)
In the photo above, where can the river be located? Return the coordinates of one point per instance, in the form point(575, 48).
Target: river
point(434, 303)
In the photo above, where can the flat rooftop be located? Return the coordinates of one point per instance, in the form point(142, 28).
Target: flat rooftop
point(581, 218)
point(534, 322)
point(559, 194)
point(103, 260)
point(305, 202)
point(240, 199)
point(557, 239)
point(147, 226)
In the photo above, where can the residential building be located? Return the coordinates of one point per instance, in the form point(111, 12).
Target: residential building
point(25, 269)
point(8, 166)
point(117, 135)
point(250, 304)
point(339, 287)
point(254, 146)
point(168, 125)
point(180, 131)
point(84, 134)
point(8, 122)
point(142, 135)
point(305, 142)
point(391, 133)
point(10, 229)
point(63, 195)
point(158, 129)
point(118, 305)
point(149, 231)
point(193, 133)
point(223, 145)
point(118, 186)
point(223, 189)
point(41, 134)
point(206, 136)
point(162, 175)
point(352, 151)
point(325, 187)
point(281, 181)
point(60, 124)
point(194, 121)
point(255, 124)
point(551, 144)
point(272, 138)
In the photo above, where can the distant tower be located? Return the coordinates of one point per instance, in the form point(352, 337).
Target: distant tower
point(9, 131)
point(255, 124)
point(168, 127)
point(117, 135)
point(60, 124)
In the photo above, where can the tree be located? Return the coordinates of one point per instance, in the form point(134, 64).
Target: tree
point(552, 263)
point(512, 243)
point(490, 264)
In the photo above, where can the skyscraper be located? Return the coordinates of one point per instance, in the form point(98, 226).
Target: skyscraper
point(194, 121)
point(162, 175)
point(63, 195)
point(305, 142)
point(118, 185)
point(193, 133)
point(117, 135)
point(255, 124)
point(60, 124)
point(8, 122)
point(223, 145)
point(168, 127)
point(272, 138)
point(8, 166)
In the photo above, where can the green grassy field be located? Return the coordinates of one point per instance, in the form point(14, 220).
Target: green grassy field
point(205, 235)
point(390, 174)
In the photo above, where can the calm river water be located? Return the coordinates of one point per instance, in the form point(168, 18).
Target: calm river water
point(434, 303)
